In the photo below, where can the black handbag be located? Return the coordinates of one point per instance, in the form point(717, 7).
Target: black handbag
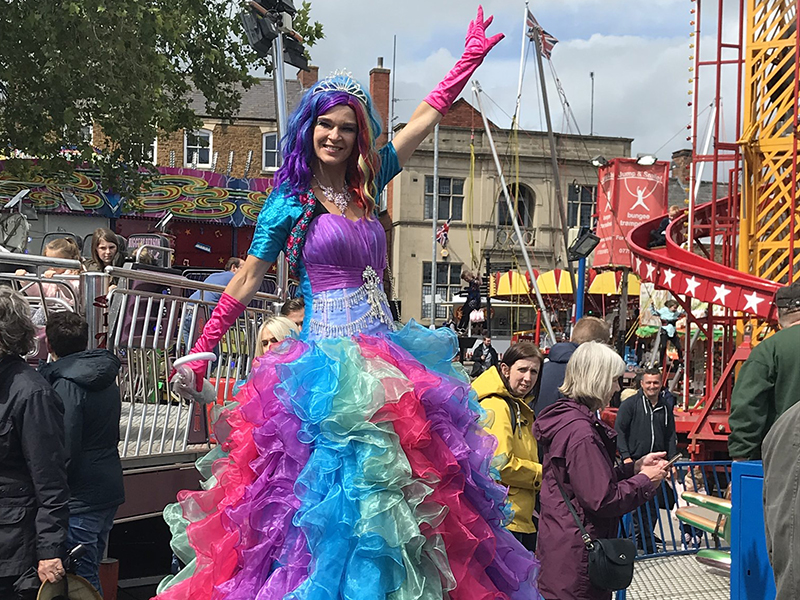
point(610, 560)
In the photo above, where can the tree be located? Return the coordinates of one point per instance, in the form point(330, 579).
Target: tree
point(310, 32)
point(125, 68)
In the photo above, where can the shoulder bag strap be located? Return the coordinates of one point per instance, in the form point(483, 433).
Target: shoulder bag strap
point(587, 540)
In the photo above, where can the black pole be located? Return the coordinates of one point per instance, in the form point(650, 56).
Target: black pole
point(623, 313)
point(488, 296)
point(562, 213)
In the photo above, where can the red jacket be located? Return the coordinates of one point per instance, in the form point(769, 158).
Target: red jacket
point(579, 449)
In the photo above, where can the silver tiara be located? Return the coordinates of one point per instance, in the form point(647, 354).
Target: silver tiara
point(341, 81)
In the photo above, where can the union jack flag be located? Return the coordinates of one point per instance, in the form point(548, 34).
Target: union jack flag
point(442, 233)
point(547, 40)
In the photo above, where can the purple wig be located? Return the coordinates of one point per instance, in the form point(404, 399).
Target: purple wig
point(298, 148)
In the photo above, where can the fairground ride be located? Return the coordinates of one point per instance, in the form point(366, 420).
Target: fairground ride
point(741, 246)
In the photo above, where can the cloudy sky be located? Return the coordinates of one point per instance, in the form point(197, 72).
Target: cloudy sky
point(639, 51)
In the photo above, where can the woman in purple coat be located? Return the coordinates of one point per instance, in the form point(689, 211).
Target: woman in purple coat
point(580, 451)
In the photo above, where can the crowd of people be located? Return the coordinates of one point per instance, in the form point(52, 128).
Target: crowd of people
point(60, 471)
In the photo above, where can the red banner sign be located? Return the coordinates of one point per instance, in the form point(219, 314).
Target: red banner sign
point(628, 194)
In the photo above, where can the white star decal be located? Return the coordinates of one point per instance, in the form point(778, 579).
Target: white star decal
point(669, 275)
point(638, 264)
point(721, 293)
point(752, 302)
point(651, 269)
point(691, 285)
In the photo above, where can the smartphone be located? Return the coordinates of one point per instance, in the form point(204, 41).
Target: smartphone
point(674, 459)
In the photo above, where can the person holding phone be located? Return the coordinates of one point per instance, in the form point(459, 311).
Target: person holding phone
point(578, 454)
point(645, 423)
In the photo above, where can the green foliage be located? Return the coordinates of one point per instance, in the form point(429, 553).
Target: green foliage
point(124, 66)
point(310, 32)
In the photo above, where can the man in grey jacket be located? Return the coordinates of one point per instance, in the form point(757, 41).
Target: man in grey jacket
point(645, 423)
point(781, 455)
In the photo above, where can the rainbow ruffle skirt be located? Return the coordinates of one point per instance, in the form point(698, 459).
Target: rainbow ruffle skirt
point(352, 468)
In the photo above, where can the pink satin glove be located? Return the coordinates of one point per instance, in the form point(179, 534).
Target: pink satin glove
point(225, 314)
point(476, 48)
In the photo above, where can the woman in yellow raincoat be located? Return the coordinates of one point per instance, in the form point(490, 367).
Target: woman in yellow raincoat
point(506, 394)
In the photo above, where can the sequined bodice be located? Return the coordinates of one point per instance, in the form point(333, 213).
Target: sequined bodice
point(345, 261)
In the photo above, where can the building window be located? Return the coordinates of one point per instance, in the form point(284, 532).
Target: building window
point(151, 152)
point(197, 143)
point(448, 284)
point(270, 156)
point(525, 204)
point(580, 205)
point(451, 198)
point(87, 134)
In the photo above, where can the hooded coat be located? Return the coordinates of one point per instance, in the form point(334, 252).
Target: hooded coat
point(552, 376)
point(33, 480)
point(87, 384)
point(580, 450)
point(509, 421)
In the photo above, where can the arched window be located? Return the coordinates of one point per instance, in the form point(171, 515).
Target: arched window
point(525, 203)
point(197, 142)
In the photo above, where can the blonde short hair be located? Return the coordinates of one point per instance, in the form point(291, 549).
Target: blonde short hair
point(590, 374)
point(590, 329)
point(278, 327)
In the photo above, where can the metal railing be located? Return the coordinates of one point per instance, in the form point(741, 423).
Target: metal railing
point(148, 323)
point(151, 325)
point(668, 536)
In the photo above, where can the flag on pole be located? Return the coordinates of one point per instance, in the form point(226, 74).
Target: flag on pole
point(547, 40)
point(442, 233)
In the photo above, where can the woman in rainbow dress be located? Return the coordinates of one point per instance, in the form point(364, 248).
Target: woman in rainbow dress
point(354, 466)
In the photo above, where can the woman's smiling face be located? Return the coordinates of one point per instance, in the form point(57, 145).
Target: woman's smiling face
point(335, 136)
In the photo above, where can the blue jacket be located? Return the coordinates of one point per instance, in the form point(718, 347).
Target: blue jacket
point(223, 278)
point(87, 384)
point(552, 376)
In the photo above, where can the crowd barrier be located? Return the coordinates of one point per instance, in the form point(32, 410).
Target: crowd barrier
point(148, 322)
point(668, 536)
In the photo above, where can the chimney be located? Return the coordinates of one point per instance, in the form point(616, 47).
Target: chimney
point(379, 90)
point(308, 78)
point(681, 163)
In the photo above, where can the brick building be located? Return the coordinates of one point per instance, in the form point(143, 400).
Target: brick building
point(225, 147)
point(480, 222)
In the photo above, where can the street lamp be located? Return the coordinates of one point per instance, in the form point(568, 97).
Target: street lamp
point(582, 247)
point(646, 160)
point(599, 161)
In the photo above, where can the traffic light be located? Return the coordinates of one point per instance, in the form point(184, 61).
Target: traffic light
point(260, 31)
point(294, 53)
point(280, 6)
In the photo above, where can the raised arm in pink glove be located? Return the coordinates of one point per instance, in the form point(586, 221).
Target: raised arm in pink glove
point(476, 48)
point(225, 314)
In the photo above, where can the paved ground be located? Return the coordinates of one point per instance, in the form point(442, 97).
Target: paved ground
point(677, 578)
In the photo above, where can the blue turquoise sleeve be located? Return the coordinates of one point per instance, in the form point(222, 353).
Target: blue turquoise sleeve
point(390, 166)
point(275, 221)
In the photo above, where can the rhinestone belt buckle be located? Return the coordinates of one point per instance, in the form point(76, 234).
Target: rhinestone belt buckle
point(371, 281)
